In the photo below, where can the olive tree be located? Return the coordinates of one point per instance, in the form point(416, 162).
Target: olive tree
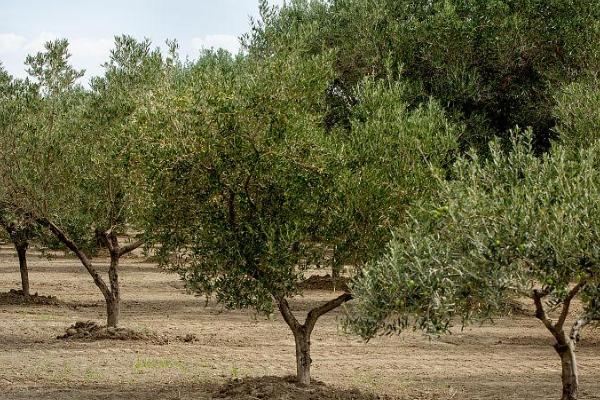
point(248, 186)
point(513, 224)
point(71, 170)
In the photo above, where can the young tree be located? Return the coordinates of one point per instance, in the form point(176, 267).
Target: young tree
point(72, 169)
point(248, 186)
point(513, 224)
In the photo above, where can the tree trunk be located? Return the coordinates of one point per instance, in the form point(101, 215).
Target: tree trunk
point(114, 301)
point(302, 332)
point(335, 273)
point(113, 311)
point(22, 253)
point(303, 359)
point(570, 382)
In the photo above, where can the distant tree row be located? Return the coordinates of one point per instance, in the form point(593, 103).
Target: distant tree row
point(355, 127)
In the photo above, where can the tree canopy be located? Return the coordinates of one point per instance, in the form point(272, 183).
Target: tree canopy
point(514, 224)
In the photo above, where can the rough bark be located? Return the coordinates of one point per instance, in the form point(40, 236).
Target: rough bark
point(303, 360)
point(113, 303)
point(20, 239)
point(302, 332)
point(22, 253)
point(570, 381)
point(113, 312)
point(565, 344)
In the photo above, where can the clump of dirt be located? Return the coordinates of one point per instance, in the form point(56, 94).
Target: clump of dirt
point(325, 282)
point(189, 338)
point(512, 306)
point(91, 331)
point(17, 297)
point(278, 388)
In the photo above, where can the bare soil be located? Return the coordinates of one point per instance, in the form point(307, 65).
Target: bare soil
point(241, 355)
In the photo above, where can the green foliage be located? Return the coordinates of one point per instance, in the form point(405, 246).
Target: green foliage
point(249, 187)
point(51, 68)
point(506, 225)
point(68, 154)
point(388, 158)
point(493, 64)
point(240, 175)
point(578, 114)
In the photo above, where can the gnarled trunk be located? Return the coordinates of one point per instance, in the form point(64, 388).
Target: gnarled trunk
point(113, 302)
point(303, 359)
point(302, 332)
point(113, 311)
point(565, 344)
point(111, 293)
point(22, 253)
point(570, 382)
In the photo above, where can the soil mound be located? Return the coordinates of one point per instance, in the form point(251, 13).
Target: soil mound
point(278, 388)
point(17, 297)
point(513, 306)
point(91, 331)
point(325, 282)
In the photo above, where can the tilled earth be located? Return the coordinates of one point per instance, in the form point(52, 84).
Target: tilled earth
point(211, 353)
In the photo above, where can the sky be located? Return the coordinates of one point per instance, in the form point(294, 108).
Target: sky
point(91, 25)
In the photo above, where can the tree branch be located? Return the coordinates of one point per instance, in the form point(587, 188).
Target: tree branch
point(64, 239)
point(285, 310)
point(575, 334)
point(316, 313)
point(107, 237)
point(540, 312)
point(128, 248)
point(567, 303)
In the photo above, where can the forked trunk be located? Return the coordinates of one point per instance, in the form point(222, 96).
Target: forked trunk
point(570, 382)
point(302, 332)
point(565, 344)
point(112, 294)
point(22, 253)
point(303, 359)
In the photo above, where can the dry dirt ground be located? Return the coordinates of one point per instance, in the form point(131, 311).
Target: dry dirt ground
point(512, 359)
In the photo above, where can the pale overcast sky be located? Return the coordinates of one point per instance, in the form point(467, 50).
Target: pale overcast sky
point(90, 26)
